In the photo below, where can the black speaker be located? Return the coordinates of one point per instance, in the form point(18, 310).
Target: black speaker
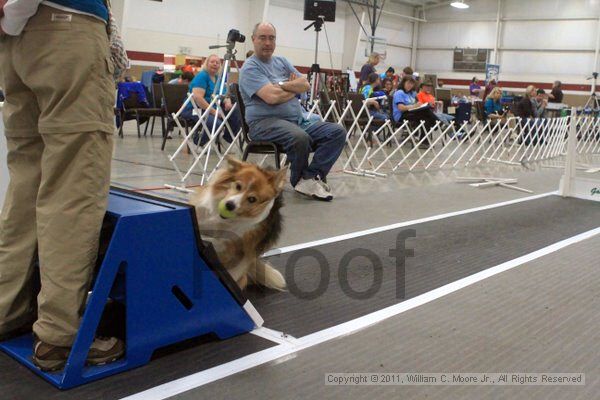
point(317, 9)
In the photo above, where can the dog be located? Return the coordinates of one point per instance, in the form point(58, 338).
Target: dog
point(238, 211)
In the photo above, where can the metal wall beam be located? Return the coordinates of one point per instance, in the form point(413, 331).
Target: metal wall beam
point(498, 33)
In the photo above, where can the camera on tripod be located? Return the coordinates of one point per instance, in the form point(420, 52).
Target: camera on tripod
point(235, 36)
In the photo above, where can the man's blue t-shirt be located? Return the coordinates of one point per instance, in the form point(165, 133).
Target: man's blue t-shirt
point(401, 97)
point(253, 76)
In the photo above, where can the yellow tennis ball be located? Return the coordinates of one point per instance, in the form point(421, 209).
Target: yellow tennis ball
point(224, 212)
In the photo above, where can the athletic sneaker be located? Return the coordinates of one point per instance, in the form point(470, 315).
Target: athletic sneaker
point(325, 186)
point(48, 357)
point(313, 188)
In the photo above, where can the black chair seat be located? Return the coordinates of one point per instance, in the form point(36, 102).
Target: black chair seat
point(254, 146)
point(259, 147)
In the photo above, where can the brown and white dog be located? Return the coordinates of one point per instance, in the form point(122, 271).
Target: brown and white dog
point(238, 212)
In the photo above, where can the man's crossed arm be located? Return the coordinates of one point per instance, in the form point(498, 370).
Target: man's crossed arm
point(274, 94)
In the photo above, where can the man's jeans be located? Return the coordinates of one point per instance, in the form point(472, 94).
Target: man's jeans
point(326, 139)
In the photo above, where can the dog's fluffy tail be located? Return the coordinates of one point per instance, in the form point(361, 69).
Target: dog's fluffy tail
point(265, 275)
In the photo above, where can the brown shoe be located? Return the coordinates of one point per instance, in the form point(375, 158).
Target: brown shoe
point(105, 350)
point(48, 357)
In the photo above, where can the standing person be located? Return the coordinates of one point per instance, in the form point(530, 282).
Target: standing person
point(474, 87)
point(556, 95)
point(407, 71)
point(488, 89)
point(368, 69)
point(269, 85)
point(58, 127)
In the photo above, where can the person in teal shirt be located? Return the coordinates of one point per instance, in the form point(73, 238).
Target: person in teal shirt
point(204, 86)
point(493, 106)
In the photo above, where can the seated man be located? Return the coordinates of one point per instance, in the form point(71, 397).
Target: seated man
point(269, 85)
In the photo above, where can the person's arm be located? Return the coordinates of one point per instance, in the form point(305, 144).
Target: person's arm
point(199, 93)
point(407, 107)
point(16, 14)
point(297, 84)
point(274, 94)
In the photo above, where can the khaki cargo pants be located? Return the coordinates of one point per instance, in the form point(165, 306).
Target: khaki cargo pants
point(58, 113)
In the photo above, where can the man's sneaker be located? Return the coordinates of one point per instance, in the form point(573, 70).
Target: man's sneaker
point(313, 188)
point(48, 357)
point(325, 186)
point(105, 350)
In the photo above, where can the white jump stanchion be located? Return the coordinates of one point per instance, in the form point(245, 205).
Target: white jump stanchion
point(399, 147)
point(329, 110)
point(388, 157)
point(431, 147)
point(560, 139)
point(566, 189)
point(517, 130)
point(593, 137)
point(466, 136)
point(448, 143)
point(583, 133)
point(313, 108)
point(416, 146)
point(489, 138)
point(186, 141)
point(503, 141)
point(473, 141)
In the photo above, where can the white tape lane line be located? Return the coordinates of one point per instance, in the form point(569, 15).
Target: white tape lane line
point(288, 349)
point(371, 231)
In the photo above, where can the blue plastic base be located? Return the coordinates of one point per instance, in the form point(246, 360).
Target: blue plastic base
point(156, 266)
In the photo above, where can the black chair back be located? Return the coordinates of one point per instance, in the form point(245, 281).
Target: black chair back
point(173, 97)
point(157, 96)
point(480, 111)
point(131, 102)
point(234, 89)
point(463, 113)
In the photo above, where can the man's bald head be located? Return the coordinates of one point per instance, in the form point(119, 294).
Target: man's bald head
point(263, 25)
point(263, 39)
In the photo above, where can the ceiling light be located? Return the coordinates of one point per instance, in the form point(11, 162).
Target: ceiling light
point(459, 4)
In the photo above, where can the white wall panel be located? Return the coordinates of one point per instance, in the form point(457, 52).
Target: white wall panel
point(453, 34)
point(454, 29)
point(547, 64)
point(434, 61)
point(551, 8)
point(189, 17)
point(549, 34)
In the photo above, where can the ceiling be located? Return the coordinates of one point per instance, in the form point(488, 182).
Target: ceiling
point(415, 3)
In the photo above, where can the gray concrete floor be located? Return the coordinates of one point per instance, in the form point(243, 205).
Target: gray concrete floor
point(539, 317)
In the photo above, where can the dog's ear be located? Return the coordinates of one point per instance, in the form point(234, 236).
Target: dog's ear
point(278, 178)
point(234, 164)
